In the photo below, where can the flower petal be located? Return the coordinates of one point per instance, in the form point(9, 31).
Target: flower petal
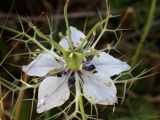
point(98, 88)
point(41, 65)
point(76, 36)
point(53, 92)
point(109, 65)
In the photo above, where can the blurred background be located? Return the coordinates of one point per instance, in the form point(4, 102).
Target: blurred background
point(142, 100)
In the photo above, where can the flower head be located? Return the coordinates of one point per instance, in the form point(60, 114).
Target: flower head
point(92, 71)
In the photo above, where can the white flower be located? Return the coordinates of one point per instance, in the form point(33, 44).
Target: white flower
point(95, 77)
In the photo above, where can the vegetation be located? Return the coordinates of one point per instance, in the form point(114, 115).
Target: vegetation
point(133, 35)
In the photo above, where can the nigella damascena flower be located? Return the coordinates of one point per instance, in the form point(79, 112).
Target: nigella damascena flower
point(94, 76)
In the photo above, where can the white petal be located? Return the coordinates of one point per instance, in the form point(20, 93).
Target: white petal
point(53, 92)
point(99, 89)
point(109, 65)
point(76, 36)
point(64, 42)
point(41, 65)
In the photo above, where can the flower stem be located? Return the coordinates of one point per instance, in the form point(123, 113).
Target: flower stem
point(20, 100)
point(145, 32)
point(79, 96)
point(67, 25)
point(1, 104)
point(81, 107)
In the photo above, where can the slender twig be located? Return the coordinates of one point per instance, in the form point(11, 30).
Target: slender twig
point(145, 32)
point(20, 100)
point(1, 103)
point(67, 25)
point(81, 105)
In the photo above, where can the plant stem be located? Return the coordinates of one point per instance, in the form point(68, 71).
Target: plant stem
point(20, 100)
point(1, 104)
point(82, 107)
point(67, 25)
point(145, 32)
point(79, 96)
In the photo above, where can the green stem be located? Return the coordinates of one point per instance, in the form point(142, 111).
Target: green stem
point(1, 104)
point(82, 107)
point(145, 32)
point(40, 34)
point(19, 105)
point(33, 39)
point(20, 100)
point(95, 27)
point(67, 25)
point(79, 97)
point(92, 53)
point(102, 32)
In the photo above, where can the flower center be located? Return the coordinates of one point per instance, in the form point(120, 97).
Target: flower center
point(74, 59)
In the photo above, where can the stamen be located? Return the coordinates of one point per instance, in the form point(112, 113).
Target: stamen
point(71, 79)
point(58, 52)
point(95, 71)
point(89, 68)
point(55, 50)
point(59, 74)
